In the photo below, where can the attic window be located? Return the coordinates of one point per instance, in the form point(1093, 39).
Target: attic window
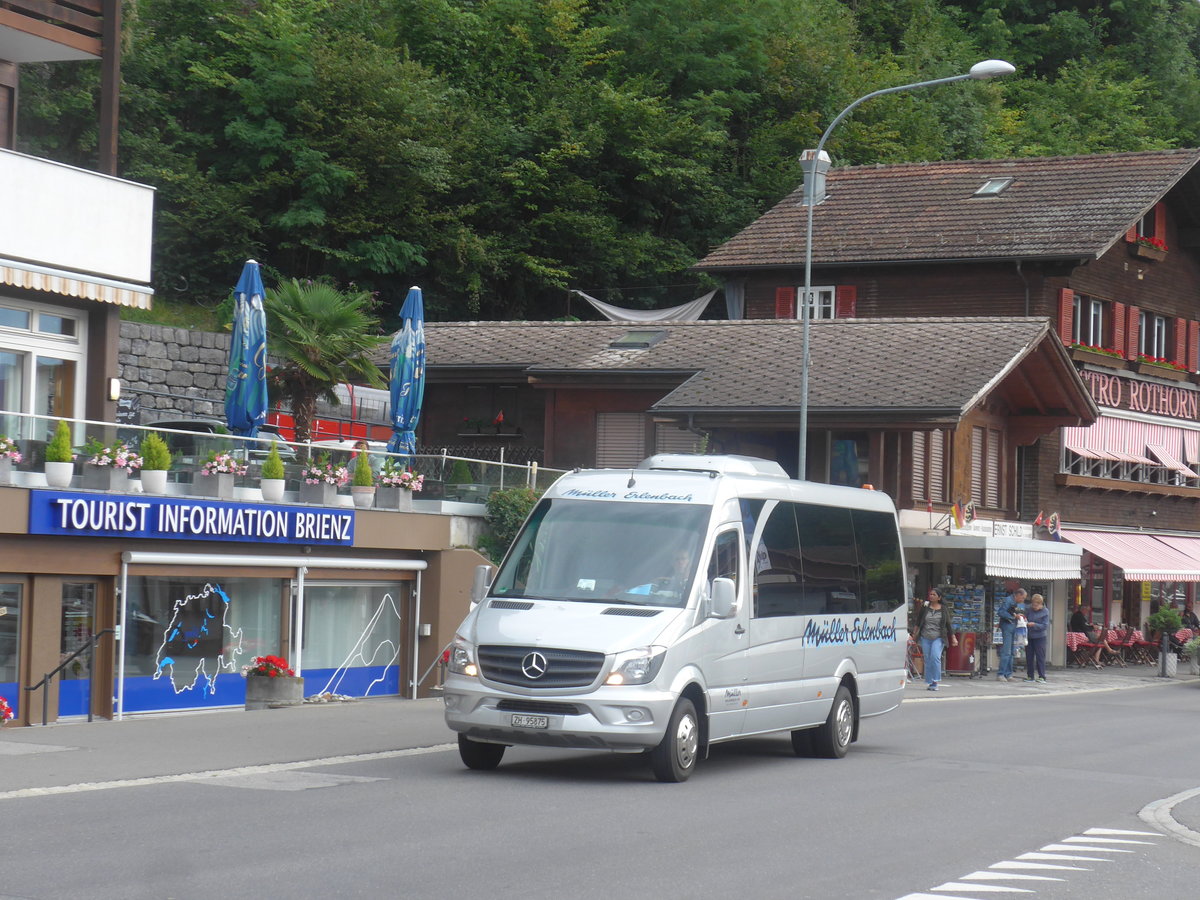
point(993, 186)
point(638, 340)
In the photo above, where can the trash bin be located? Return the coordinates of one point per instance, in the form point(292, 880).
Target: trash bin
point(961, 660)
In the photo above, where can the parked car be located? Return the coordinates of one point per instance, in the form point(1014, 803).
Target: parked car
point(193, 447)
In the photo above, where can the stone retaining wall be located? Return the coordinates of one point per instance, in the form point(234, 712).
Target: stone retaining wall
point(173, 372)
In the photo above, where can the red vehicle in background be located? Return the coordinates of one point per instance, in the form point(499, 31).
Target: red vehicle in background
point(360, 413)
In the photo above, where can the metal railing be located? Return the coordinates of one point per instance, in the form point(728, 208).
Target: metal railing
point(446, 476)
point(44, 684)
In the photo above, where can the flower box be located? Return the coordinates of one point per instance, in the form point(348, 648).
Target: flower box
point(218, 486)
point(105, 478)
point(266, 692)
point(322, 493)
point(1145, 251)
point(1157, 371)
point(1083, 355)
point(393, 498)
point(6, 466)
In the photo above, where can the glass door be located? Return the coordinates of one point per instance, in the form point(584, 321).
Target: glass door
point(10, 645)
point(78, 626)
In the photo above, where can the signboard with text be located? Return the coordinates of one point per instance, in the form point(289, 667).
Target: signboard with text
point(184, 518)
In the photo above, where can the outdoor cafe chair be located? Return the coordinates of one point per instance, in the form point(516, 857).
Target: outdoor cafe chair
point(1079, 649)
point(1111, 655)
point(1143, 652)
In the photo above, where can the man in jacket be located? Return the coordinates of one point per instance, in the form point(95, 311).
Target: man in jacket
point(1007, 613)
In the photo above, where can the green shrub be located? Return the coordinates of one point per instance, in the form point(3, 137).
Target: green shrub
point(273, 465)
point(156, 456)
point(59, 448)
point(363, 476)
point(507, 510)
point(460, 473)
point(1166, 619)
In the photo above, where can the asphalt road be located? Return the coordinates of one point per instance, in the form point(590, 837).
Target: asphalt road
point(945, 794)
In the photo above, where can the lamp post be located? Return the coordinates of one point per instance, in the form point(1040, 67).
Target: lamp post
point(989, 68)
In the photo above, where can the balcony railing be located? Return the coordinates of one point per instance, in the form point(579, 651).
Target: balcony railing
point(446, 477)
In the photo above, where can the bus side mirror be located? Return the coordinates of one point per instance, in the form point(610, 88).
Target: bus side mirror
point(480, 585)
point(724, 598)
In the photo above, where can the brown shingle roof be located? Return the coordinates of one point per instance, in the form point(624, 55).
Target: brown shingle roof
point(1056, 207)
point(933, 367)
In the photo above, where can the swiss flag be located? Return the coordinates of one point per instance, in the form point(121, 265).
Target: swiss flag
point(499, 420)
point(1038, 520)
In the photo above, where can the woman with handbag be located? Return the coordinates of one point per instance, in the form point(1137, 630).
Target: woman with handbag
point(934, 630)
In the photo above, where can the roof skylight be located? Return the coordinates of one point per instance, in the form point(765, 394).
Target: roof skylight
point(993, 186)
point(638, 339)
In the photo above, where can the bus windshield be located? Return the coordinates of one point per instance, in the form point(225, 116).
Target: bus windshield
point(605, 552)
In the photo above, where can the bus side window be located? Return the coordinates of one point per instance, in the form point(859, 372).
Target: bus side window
point(724, 561)
point(879, 555)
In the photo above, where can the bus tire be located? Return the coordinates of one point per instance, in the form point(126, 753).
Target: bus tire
point(479, 755)
point(674, 759)
point(832, 740)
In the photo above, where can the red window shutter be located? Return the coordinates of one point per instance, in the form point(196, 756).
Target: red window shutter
point(1066, 310)
point(1131, 333)
point(845, 301)
point(1193, 353)
point(1160, 221)
point(1180, 329)
point(1119, 322)
point(785, 303)
point(1131, 235)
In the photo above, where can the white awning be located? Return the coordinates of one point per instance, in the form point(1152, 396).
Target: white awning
point(1143, 556)
point(1007, 557)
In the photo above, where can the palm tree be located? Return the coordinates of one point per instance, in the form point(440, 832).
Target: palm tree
point(319, 337)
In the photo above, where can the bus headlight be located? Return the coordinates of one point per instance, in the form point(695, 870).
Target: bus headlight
point(636, 666)
point(462, 658)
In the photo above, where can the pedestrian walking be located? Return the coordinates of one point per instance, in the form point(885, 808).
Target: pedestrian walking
point(1038, 624)
point(935, 629)
point(1010, 606)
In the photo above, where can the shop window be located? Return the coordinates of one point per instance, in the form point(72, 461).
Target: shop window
point(188, 637)
point(353, 638)
point(930, 455)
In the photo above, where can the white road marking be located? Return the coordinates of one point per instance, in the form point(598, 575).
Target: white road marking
point(1010, 864)
point(1122, 831)
point(83, 787)
point(1009, 876)
point(981, 888)
point(1102, 840)
point(284, 781)
point(1076, 848)
point(1065, 856)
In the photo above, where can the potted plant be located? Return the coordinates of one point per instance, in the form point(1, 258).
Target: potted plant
point(156, 460)
point(320, 480)
point(109, 465)
point(271, 684)
point(1192, 649)
point(362, 487)
point(272, 475)
point(60, 459)
point(1166, 622)
point(6, 712)
point(397, 485)
point(9, 454)
point(217, 476)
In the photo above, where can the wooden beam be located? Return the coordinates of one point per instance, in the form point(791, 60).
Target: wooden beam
point(50, 32)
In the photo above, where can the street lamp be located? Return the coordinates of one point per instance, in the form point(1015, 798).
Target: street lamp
point(812, 162)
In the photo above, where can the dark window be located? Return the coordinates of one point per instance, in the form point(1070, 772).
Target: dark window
point(879, 554)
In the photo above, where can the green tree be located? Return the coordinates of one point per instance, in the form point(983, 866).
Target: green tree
point(321, 337)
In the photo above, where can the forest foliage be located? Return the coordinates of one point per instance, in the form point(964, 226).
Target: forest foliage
point(501, 152)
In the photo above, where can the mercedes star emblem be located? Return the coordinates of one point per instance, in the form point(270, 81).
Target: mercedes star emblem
point(533, 665)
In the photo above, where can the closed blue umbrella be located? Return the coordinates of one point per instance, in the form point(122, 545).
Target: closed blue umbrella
point(246, 386)
point(408, 374)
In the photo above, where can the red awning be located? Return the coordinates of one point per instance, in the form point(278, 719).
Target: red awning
point(1144, 557)
point(1168, 459)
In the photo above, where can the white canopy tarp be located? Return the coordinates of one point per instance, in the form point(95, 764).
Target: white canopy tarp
point(688, 312)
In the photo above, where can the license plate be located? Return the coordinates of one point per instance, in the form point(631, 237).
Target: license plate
point(519, 721)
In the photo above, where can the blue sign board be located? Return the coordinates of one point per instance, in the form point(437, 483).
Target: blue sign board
point(184, 518)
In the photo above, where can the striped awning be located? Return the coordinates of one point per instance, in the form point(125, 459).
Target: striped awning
point(73, 284)
point(1134, 441)
point(1143, 557)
